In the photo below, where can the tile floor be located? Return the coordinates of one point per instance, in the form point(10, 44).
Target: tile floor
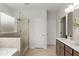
point(50, 51)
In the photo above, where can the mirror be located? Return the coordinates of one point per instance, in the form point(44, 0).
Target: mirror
point(63, 27)
point(76, 17)
point(76, 25)
point(70, 24)
point(72, 17)
point(8, 23)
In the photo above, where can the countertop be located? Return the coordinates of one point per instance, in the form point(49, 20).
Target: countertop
point(9, 38)
point(71, 43)
point(7, 51)
point(11, 34)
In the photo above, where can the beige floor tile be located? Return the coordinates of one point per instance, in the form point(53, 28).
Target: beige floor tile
point(50, 51)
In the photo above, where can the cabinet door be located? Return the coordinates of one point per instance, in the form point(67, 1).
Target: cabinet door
point(68, 51)
point(61, 51)
point(67, 54)
point(75, 53)
point(59, 48)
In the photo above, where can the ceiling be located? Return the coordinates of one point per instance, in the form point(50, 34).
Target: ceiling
point(47, 6)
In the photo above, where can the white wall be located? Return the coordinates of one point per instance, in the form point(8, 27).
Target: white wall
point(31, 13)
point(6, 9)
point(54, 24)
point(34, 14)
point(51, 27)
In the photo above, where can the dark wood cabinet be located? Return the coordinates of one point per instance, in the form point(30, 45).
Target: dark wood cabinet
point(75, 53)
point(59, 48)
point(67, 54)
point(64, 50)
point(68, 51)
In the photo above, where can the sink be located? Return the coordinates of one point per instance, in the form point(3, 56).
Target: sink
point(75, 42)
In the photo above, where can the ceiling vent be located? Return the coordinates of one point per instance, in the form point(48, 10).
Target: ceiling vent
point(26, 3)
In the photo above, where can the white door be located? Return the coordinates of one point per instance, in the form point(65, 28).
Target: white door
point(37, 33)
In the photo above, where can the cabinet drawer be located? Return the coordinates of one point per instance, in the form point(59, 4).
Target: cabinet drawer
point(68, 49)
point(76, 53)
point(67, 54)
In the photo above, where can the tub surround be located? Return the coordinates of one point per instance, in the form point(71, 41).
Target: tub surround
point(11, 42)
point(8, 52)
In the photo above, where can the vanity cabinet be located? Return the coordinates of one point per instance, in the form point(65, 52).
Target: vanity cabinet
point(67, 54)
point(64, 50)
point(68, 51)
point(75, 53)
point(59, 48)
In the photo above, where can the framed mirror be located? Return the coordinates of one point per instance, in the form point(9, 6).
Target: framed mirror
point(8, 23)
point(70, 24)
point(76, 24)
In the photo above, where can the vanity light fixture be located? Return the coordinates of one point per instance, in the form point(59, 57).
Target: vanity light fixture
point(69, 9)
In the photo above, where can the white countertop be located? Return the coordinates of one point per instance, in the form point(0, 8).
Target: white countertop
point(7, 51)
point(70, 43)
point(9, 37)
